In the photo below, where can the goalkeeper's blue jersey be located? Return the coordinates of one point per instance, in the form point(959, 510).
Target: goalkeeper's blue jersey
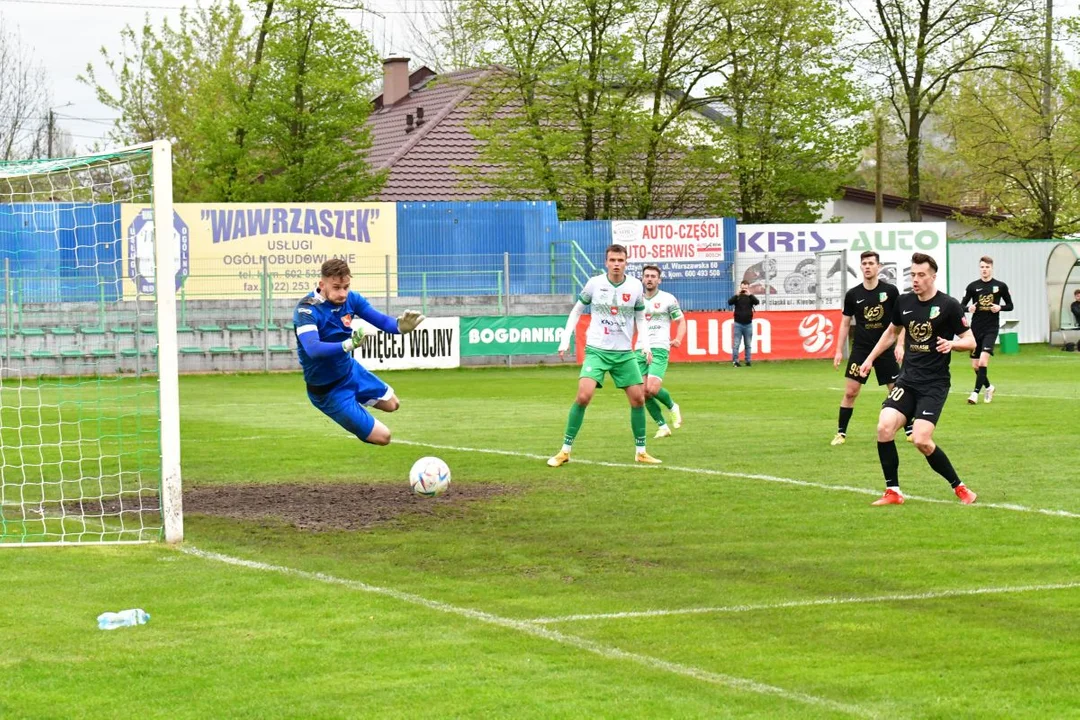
point(333, 323)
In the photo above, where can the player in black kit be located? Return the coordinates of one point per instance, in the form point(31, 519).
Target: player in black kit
point(987, 298)
point(930, 320)
point(871, 305)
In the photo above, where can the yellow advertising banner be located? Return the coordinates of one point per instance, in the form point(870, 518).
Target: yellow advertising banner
point(220, 250)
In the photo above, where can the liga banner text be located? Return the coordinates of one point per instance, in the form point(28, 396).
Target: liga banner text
point(435, 343)
point(778, 335)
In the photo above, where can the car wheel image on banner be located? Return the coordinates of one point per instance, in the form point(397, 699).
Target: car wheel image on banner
point(798, 266)
point(141, 268)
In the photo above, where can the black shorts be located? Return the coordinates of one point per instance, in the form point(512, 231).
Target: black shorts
point(885, 367)
point(984, 340)
point(923, 402)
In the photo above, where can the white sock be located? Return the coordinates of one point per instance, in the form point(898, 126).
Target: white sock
point(566, 449)
point(640, 449)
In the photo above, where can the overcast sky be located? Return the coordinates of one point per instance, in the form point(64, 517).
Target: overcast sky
point(67, 34)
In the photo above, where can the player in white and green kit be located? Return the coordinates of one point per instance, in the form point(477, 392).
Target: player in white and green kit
point(618, 307)
point(660, 309)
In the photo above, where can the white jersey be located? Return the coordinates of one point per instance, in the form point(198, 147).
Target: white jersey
point(660, 310)
point(613, 306)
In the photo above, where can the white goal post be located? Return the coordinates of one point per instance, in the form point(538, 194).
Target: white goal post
point(89, 394)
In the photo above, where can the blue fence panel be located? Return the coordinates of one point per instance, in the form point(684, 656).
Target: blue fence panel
point(456, 248)
point(61, 251)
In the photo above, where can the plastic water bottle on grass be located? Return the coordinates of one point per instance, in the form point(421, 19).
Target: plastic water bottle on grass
point(124, 618)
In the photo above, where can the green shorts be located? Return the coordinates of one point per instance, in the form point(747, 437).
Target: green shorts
point(658, 366)
point(622, 364)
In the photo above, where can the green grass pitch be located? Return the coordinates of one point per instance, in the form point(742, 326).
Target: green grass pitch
point(746, 577)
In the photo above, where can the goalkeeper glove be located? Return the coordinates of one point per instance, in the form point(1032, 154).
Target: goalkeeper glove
point(408, 321)
point(353, 341)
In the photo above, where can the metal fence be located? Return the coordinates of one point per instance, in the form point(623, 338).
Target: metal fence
point(800, 281)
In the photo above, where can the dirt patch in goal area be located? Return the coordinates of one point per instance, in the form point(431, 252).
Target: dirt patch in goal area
point(313, 507)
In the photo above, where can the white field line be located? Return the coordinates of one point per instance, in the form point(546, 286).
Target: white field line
point(74, 543)
point(527, 628)
point(958, 391)
point(694, 471)
point(746, 476)
point(904, 597)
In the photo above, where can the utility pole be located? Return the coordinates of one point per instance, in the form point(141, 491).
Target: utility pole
point(1050, 211)
point(50, 125)
point(879, 159)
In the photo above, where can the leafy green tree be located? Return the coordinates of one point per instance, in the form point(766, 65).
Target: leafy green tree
point(595, 106)
point(995, 120)
point(273, 114)
point(606, 105)
point(919, 47)
point(306, 117)
point(793, 134)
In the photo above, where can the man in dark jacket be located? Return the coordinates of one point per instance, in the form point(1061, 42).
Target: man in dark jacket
point(743, 327)
point(1075, 307)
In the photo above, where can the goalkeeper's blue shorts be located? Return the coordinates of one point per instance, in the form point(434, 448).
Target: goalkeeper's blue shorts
point(344, 401)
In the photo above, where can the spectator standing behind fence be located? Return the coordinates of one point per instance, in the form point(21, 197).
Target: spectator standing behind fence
point(1075, 307)
point(743, 327)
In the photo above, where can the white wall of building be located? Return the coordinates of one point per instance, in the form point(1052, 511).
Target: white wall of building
point(1021, 264)
point(850, 211)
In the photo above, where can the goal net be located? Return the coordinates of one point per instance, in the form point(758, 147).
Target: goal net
point(89, 404)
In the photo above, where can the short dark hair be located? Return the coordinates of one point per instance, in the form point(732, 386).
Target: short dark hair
point(615, 248)
point(923, 258)
point(744, 282)
point(987, 259)
point(1076, 291)
point(651, 267)
point(335, 267)
point(870, 253)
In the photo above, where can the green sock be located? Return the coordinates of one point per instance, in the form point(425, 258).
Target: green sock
point(655, 412)
point(573, 423)
point(637, 422)
point(665, 397)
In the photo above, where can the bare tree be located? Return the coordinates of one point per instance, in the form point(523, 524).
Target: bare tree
point(920, 46)
point(24, 96)
point(441, 36)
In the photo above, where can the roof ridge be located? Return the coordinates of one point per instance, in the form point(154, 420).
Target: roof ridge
point(450, 107)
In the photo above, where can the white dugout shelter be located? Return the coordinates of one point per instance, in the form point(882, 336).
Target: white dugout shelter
point(1062, 280)
point(1024, 266)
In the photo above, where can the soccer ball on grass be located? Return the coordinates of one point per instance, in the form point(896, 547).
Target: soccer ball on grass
point(429, 477)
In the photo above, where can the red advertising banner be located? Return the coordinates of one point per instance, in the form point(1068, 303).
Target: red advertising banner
point(778, 335)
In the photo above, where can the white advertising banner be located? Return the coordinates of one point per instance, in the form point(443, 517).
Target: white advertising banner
point(792, 266)
point(680, 248)
point(435, 344)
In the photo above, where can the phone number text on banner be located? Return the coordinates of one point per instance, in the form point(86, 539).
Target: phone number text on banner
point(219, 250)
point(778, 335)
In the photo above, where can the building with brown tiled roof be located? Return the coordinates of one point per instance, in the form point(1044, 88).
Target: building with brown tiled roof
point(420, 135)
point(856, 205)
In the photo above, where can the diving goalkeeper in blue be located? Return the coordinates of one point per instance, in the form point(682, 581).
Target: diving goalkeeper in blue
point(327, 333)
